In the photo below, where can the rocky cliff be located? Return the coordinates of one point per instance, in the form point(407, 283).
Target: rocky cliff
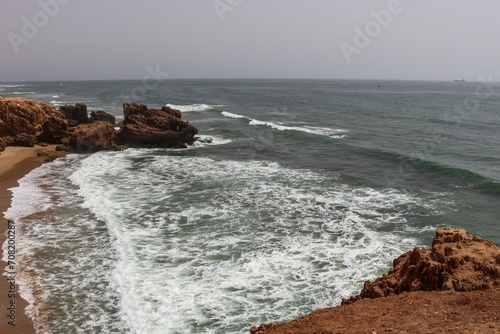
point(28, 122)
point(452, 287)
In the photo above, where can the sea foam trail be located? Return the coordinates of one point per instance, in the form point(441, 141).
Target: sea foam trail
point(207, 246)
point(322, 131)
point(191, 107)
point(68, 292)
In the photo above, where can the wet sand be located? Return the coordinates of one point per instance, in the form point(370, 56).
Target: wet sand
point(15, 162)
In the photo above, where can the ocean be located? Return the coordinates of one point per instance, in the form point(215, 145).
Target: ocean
point(307, 189)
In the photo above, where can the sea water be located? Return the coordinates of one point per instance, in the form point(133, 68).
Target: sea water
point(308, 189)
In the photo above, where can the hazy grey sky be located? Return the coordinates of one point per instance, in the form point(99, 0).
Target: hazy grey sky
point(119, 39)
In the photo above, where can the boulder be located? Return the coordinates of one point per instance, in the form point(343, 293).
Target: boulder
point(6, 141)
point(31, 118)
point(92, 137)
point(143, 127)
point(25, 140)
point(100, 115)
point(76, 113)
point(456, 261)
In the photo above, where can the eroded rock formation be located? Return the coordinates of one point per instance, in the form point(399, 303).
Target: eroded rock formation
point(143, 127)
point(27, 122)
point(456, 261)
point(452, 287)
point(23, 122)
point(100, 115)
point(92, 137)
point(76, 114)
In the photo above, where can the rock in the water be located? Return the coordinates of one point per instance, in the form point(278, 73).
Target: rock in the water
point(457, 261)
point(100, 115)
point(145, 127)
point(92, 137)
point(19, 116)
point(27, 122)
point(76, 113)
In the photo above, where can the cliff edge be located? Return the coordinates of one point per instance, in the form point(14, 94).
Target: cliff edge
point(451, 287)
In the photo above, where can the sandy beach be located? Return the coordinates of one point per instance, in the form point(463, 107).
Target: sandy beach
point(16, 162)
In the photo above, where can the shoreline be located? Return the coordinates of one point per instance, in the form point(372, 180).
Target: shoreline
point(15, 163)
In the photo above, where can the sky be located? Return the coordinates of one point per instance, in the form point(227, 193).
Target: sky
point(57, 40)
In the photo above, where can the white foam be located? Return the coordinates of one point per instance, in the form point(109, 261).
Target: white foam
point(231, 115)
point(28, 197)
point(13, 86)
point(62, 236)
point(21, 93)
point(55, 96)
point(208, 246)
point(322, 131)
point(210, 141)
point(190, 107)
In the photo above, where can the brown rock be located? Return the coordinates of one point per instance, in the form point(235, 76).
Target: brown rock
point(145, 127)
point(76, 113)
point(26, 140)
point(457, 261)
point(102, 116)
point(465, 268)
point(92, 137)
point(31, 118)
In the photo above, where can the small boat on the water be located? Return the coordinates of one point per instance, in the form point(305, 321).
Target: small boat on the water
point(463, 80)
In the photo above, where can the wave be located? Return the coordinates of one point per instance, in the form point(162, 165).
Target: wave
point(406, 162)
point(332, 133)
point(13, 86)
point(57, 103)
point(21, 93)
point(231, 115)
point(191, 107)
point(322, 131)
point(55, 96)
point(193, 223)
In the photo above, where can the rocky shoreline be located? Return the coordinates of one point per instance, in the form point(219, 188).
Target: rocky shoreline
point(29, 122)
point(451, 287)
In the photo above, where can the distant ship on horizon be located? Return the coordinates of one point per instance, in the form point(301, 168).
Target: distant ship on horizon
point(463, 80)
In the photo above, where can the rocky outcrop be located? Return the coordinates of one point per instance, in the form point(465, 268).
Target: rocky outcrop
point(92, 137)
point(452, 287)
point(100, 115)
point(76, 114)
point(456, 261)
point(29, 121)
point(26, 123)
point(143, 127)
point(25, 140)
